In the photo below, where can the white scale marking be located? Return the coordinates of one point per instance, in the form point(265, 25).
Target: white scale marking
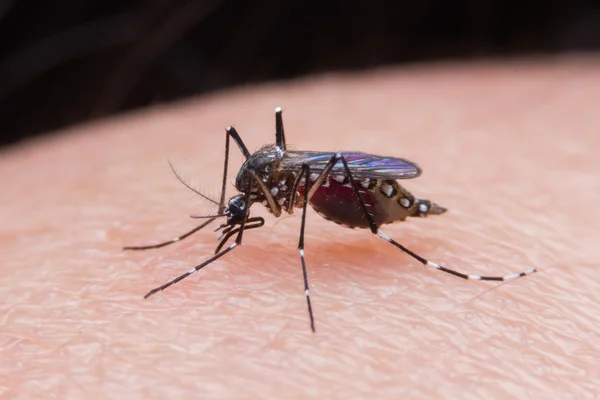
point(307, 293)
point(274, 191)
point(511, 276)
point(314, 177)
point(339, 178)
point(281, 201)
point(365, 183)
point(301, 252)
point(433, 265)
point(473, 277)
point(423, 208)
point(384, 236)
point(404, 202)
point(387, 189)
point(280, 152)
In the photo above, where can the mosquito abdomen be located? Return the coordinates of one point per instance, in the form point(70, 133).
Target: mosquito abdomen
point(385, 200)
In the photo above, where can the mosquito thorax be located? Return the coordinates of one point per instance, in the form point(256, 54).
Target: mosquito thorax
point(264, 163)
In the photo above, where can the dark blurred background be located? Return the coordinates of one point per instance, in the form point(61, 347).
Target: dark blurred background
point(63, 62)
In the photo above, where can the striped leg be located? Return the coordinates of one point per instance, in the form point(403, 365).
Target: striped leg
point(308, 192)
point(238, 242)
point(375, 229)
point(306, 172)
point(191, 271)
point(168, 242)
point(451, 271)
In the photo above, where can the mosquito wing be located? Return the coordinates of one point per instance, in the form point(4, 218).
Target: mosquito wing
point(362, 165)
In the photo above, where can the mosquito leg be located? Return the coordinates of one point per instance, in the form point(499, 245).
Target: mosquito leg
point(275, 208)
point(279, 133)
point(177, 239)
point(293, 192)
point(191, 271)
point(238, 140)
point(451, 271)
point(306, 172)
point(375, 229)
point(318, 182)
point(236, 137)
point(251, 223)
point(238, 242)
point(260, 222)
point(225, 169)
point(308, 192)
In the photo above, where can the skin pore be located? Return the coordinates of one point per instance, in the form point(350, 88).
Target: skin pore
point(510, 148)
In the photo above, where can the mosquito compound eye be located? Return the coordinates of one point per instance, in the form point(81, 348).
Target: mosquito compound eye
point(237, 207)
point(234, 209)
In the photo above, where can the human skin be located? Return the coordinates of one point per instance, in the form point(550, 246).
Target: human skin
point(510, 148)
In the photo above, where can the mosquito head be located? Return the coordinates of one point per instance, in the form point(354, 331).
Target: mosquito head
point(236, 210)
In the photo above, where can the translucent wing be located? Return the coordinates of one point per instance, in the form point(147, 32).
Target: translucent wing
point(362, 165)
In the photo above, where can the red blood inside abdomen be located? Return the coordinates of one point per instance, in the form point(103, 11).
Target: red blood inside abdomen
point(338, 203)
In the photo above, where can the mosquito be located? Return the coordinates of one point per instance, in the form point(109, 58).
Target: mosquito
point(353, 189)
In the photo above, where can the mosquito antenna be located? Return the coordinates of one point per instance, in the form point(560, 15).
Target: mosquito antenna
point(180, 179)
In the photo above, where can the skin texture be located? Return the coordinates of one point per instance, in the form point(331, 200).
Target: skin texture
point(510, 148)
